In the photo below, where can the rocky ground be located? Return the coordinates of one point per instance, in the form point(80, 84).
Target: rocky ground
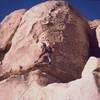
point(49, 52)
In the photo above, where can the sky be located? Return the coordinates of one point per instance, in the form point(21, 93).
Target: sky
point(90, 9)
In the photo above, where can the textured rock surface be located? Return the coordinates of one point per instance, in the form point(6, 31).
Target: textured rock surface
point(54, 36)
point(19, 88)
point(50, 32)
point(86, 88)
point(8, 27)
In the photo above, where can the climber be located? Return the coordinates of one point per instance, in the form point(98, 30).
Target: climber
point(45, 58)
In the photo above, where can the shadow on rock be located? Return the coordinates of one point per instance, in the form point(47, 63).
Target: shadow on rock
point(94, 49)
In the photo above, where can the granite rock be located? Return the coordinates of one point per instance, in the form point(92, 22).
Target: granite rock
point(8, 27)
point(51, 33)
point(86, 88)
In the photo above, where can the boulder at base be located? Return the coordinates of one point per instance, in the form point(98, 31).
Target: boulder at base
point(86, 88)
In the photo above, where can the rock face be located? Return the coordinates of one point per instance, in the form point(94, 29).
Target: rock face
point(49, 43)
point(86, 88)
point(17, 88)
point(8, 27)
point(53, 34)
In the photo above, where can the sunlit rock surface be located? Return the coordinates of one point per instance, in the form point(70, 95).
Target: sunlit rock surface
point(49, 48)
point(57, 29)
point(86, 88)
point(8, 27)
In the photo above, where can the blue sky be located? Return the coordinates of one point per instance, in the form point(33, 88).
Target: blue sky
point(90, 9)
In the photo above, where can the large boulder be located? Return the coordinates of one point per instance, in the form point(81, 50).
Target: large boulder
point(52, 34)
